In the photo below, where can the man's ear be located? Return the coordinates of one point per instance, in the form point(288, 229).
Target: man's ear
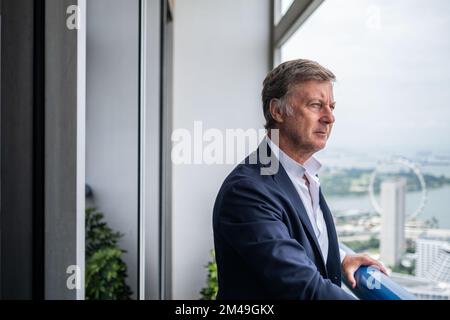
point(275, 110)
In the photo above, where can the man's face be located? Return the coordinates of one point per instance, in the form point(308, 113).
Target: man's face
point(309, 127)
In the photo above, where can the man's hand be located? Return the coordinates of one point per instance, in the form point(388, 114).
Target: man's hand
point(352, 262)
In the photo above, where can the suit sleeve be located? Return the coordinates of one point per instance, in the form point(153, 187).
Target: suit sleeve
point(251, 223)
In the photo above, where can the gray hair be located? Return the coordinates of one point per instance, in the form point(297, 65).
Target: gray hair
point(279, 81)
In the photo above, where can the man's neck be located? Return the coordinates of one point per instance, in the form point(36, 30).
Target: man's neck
point(295, 153)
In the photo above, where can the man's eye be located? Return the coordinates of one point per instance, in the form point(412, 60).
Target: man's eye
point(316, 105)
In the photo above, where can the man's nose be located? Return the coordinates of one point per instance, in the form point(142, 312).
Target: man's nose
point(328, 116)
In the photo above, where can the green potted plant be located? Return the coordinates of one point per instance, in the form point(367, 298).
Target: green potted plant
point(106, 272)
point(209, 292)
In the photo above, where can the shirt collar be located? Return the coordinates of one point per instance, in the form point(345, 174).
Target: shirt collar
point(292, 167)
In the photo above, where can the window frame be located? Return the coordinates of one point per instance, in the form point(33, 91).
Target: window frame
point(284, 27)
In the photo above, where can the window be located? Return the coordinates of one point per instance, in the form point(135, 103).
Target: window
point(393, 75)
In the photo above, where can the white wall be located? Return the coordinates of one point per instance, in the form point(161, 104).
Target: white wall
point(221, 56)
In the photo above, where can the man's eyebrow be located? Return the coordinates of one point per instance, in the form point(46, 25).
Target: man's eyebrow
point(309, 99)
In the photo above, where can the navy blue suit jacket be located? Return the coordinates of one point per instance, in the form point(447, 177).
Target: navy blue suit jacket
point(264, 241)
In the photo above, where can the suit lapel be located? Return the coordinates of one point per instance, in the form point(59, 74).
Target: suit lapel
point(333, 246)
point(281, 177)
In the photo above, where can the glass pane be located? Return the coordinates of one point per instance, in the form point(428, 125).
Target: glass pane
point(112, 142)
point(393, 80)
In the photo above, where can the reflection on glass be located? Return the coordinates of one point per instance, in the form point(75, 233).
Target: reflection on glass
point(112, 142)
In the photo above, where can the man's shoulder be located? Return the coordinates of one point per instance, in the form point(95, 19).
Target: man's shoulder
point(245, 180)
point(246, 172)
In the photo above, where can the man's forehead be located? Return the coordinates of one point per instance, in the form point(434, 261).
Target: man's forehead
point(313, 89)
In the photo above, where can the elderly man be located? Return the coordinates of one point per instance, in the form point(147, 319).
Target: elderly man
point(274, 234)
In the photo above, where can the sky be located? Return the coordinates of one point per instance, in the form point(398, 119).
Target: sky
point(392, 63)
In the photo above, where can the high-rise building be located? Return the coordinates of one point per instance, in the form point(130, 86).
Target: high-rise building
point(423, 289)
point(392, 237)
point(433, 259)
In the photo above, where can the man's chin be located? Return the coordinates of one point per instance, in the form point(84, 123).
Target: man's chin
point(321, 146)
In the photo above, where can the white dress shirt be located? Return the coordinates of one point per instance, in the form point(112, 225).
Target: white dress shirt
point(310, 197)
